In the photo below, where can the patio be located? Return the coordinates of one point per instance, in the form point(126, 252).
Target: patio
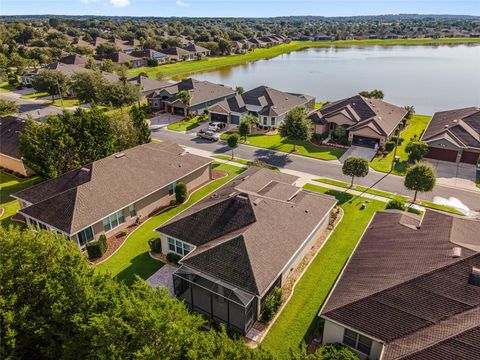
point(163, 277)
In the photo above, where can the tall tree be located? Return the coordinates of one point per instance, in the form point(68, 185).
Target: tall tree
point(8, 107)
point(52, 82)
point(244, 128)
point(296, 126)
point(420, 177)
point(89, 86)
point(140, 124)
point(124, 133)
point(120, 94)
point(355, 166)
point(232, 142)
point(107, 65)
point(410, 112)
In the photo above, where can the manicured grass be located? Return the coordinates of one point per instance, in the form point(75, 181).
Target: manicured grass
point(132, 258)
point(185, 125)
point(34, 95)
point(66, 102)
point(10, 184)
point(334, 182)
point(381, 193)
point(299, 318)
point(186, 68)
point(431, 205)
point(305, 148)
point(6, 87)
point(414, 129)
point(246, 162)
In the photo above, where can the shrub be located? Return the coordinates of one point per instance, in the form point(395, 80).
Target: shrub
point(152, 62)
point(173, 202)
point(389, 146)
point(340, 132)
point(96, 249)
point(396, 204)
point(155, 245)
point(173, 258)
point(319, 137)
point(272, 304)
point(122, 233)
point(181, 192)
point(414, 211)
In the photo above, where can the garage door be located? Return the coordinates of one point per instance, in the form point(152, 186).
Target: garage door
point(469, 157)
point(365, 141)
point(442, 154)
point(218, 117)
point(178, 111)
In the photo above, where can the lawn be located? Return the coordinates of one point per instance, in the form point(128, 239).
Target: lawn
point(70, 102)
point(246, 162)
point(185, 125)
point(431, 205)
point(9, 185)
point(305, 148)
point(6, 87)
point(415, 127)
point(133, 258)
point(299, 318)
point(34, 95)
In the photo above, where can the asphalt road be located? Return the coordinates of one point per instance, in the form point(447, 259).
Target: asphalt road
point(328, 169)
point(32, 107)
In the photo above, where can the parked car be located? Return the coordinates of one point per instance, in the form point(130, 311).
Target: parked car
point(208, 134)
point(216, 126)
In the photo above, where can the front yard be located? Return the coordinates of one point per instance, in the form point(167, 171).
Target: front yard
point(304, 148)
point(185, 125)
point(133, 257)
point(299, 319)
point(414, 129)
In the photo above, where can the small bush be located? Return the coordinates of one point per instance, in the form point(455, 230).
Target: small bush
point(152, 62)
point(319, 137)
point(122, 233)
point(272, 304)
point(155, 245)
point(396, 204)
point(173, 202)
point(389, 146)
point(96, 249)
point(181, 193)
point(173, 258)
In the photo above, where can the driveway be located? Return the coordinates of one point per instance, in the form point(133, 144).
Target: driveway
point(163, 277)
point(455, 174)
point(163, 120)
point(360, 151)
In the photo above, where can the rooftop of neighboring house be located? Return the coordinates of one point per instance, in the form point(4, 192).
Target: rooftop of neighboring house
point(75, 59)
point(148, 84)
point(409, 284)
point(126, 44)
point(247, 231)
point(195, 48)
point(460, 127)
point(10, 129)
point(81, 197)
point(149, 54)
point(119, 57)
point(379, 115)
point(176, 51)
point(70, 69)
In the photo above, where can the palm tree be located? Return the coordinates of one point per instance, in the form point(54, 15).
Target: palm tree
point(185, 97)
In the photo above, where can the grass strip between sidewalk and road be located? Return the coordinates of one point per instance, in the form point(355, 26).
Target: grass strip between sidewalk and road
point(245, 162)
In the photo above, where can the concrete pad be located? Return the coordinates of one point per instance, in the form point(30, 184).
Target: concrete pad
point(163, 277)
point(163, 120)
point(361, 151)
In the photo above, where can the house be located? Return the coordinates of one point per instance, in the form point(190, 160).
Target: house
point(179, 54)
point(240, 243)
point(121, 58)
point(454, 135)
point(85, 44)
point(10, 129)
point(147, 85)
point(410, 290)
point(75, 59)
point(369, 122)
point(199, 51)
point(257, 42)
point(98, 41)
point(108, 195)
point(149, 54)
point(268, 104)
point(241, 47)
point(203, 95)
point(323, 37)
point(126, 46)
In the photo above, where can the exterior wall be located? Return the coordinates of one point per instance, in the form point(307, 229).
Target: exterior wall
point(443, 144)
point(333, 333)
point(16, 165)
point(199, 108)
point(340, 119)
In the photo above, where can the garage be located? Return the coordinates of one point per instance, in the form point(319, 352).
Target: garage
point(365, 141)
point(235, 119)
point(442, 154)
point(216, 117)
point(178, 111)
point(469, 157)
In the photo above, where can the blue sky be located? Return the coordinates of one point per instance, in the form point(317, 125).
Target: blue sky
point(253, 8)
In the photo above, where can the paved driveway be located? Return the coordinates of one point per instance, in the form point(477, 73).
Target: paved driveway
point(455, 174)
point(361, 151)
point(163, 277)
point(163, 120)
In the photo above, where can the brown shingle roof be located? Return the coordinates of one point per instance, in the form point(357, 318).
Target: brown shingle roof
point(10, 129)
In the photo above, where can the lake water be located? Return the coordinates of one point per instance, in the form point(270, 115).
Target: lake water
point(431, 78)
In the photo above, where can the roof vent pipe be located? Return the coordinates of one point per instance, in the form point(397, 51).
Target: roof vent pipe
point(456, 252)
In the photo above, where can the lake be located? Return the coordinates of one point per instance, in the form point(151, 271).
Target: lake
point(431, 78)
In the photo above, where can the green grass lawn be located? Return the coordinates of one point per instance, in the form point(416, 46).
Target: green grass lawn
point(66, 102)
point(34, 95)
point(10, 184)
point(6, 87)
point(305, 148)
point(299, 318)
point(415, 127)
point(187, 68)
point(185, 125)
point(229, 158)
point(133, 258)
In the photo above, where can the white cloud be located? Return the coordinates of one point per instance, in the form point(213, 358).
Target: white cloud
point(181, 3)
point(120, 3)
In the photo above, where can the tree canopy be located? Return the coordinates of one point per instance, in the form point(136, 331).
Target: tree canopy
point(416, 150)
point(89, 87)
point(232, 141)
point(52, 82)
point(355, 166)
point(374, 94)
point(296, 126)
point(420, 177)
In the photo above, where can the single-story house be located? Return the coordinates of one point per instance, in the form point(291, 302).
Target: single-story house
point(108, 195)
point(147, 85)
point(454, 135)
point(126, 46)
point(149, 54)
point(257, 42)
point(323, 37)
point(75, 59)
point(11, 128)
point(240, 243)
point(179, 54)
point(203, 95)
point(199, 51)
point(121, 58)
point(268, 104)
point(370, 122)
point(410, 290)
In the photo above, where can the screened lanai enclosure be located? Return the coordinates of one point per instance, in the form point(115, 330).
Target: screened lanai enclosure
point(217, 300)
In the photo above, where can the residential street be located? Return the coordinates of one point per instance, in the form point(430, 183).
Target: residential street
point(328, 169)
point(32, 107)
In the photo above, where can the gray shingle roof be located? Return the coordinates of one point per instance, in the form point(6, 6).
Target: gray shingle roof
point(10, 129)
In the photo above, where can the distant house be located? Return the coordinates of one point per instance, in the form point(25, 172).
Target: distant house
point(11, 128)
point(389, 35)
point(148, 86)
point(323, 37)
point(75, 59)
point(410, 290)
point(121, 58)
point(179, 54)
point(369, 122)
point(240, 243)
point(85, 44)
point(149, 54)
point(203, 95)
point(98, 41)
point(108, 195)
point(126, 46)
point(268, 104)
point(257, 42)
point(454, 135)
point(199, 51)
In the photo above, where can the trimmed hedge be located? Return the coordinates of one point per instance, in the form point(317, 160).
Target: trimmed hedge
point(389, 146)
point(181, 193)
point(173, 258)
point(155, 245)
point(96, 249)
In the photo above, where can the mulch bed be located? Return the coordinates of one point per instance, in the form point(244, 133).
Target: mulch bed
point(217, 174)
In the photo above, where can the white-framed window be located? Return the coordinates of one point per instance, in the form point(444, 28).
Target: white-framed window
point(265, 120)
point(38, 224)
point(357, 341)
point(112, 221)
point(85, 236)
point(272, 121)
point(178, 247)
point(171, 188)
point(132, 210)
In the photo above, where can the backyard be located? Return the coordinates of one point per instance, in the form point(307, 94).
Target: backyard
point(415, 127)
point(299, 318)
point(133, 258)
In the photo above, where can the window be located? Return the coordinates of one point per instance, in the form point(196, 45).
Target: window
point(272, 121)
point(265, 120)
point(112, 221)
point(171, 188)
point(132, 210)
point(85, 235)
point(178, 247)
point(357, 341)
